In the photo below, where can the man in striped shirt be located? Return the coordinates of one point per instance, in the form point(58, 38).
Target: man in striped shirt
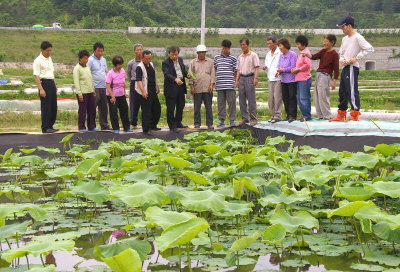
point(225, 68)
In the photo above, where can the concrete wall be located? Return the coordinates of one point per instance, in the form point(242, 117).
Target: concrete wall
point(238, 31)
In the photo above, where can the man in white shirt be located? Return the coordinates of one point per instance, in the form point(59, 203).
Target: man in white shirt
point(43, 72)
point(274, 82)
point(354, 47)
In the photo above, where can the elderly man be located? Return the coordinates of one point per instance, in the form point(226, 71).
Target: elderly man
point(174, 88)
point(201, 84)
point(146, 86)
point(98, 66)
point(43, 72)
point(134, 97)
point(274, 82)
point(247, 80)
point(354, 47)
point(225, 70)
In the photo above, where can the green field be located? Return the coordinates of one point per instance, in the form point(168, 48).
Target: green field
point(23, 45)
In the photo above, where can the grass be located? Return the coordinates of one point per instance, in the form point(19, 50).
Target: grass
point(23, 45)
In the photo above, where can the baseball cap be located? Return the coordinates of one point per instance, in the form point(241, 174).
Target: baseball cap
point(201, 48)
point(346, 21)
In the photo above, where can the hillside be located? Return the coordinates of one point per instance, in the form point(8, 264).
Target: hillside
point(185, 13)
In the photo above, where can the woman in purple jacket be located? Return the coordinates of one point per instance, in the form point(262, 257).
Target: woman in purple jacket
point(287, 62)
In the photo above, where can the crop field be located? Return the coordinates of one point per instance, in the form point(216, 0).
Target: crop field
point(212, 202)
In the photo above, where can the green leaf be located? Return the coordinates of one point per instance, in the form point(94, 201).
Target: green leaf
point(201, 201)
point(166, 219)
point(361, 160)
point(389, 188)
point(7, 154)
point(272, 199)
point(140, 194)
point(292, 223)
point(272, 141)
point(386, 150)
point(383, 231)
point(87, 167)
point(36, 248)
point(181, 234)
point(60, 172)
point(232, 209)
point(375, 214)
point(348, 209)
point(211, 149)
point(294, 263)
point(238, 188)
point(47, 268)
point(32, 160)
point(355, 193)
point(141, 175)
point(51, 151)
point(101, 154)
point(246, 158)
point(367, 267)
point(317, 175)
point(27, 151)
point(66, 139)
point(177, 162)
point(244, 242)
point(8, 231)
point(382, 258)
point(142, 247)
point(126, 261)
point(249, 184)
point(92, 190)
point(37, 212)
point(197, 178)
point(274, 234)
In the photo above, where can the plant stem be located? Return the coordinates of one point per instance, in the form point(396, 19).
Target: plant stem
point(189, 261)
point(41, 258)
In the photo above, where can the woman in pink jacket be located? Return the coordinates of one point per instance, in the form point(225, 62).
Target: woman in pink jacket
point(303, 78)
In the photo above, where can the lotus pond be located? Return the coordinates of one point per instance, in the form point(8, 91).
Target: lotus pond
point(213, 202)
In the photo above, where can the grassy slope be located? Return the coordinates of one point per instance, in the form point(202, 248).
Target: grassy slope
point(22, 45)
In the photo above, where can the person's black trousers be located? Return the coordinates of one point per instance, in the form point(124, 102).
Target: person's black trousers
point(134, 103)
point(122, 106)
point(48, 104)
point(348, 90)
point(151, 111)
point(175, 106)
point(289, 97)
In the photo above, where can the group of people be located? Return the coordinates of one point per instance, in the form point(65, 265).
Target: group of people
point(289, 82)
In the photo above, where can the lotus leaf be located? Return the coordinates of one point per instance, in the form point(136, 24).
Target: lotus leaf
point(274, 234)
point(178, 162)
point(292, 223)
point(197, 178)
point(142, 247)
point(92, 190)
point(389, 188)
point(318, 175)
point(181, 234)
point(348, 208)
point(232, 209)
point(140, 194)
point(36, 248)
point(361, 160)
point(126, 261)
point(166, 219)
point(201, 201)
point(244, 242)
point(141, 175)
point(8, 231)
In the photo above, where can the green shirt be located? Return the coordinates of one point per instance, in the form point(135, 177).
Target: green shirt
point(83, 80)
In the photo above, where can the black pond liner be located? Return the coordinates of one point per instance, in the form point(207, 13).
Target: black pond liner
point(332, 141)
point(260, 132)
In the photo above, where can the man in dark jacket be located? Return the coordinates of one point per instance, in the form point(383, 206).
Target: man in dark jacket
point(174, 88)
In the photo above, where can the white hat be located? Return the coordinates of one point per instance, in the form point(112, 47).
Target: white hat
point(201, 48)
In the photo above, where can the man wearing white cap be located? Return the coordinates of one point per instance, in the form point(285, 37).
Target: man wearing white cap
point(201, 84)
point(354, 47)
